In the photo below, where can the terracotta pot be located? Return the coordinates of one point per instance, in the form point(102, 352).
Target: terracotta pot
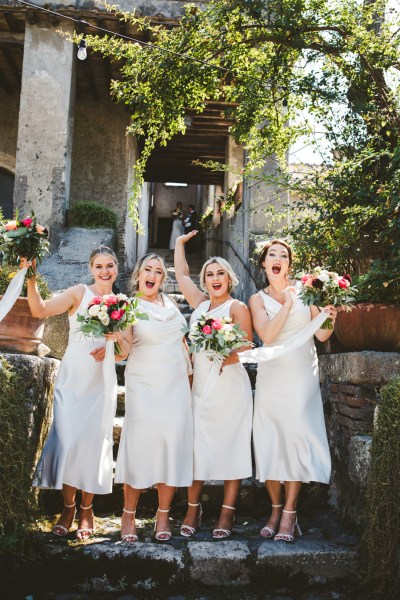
point(370, 327)
point(19, 331)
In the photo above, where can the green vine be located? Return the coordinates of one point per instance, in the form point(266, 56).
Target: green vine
point(381, 536)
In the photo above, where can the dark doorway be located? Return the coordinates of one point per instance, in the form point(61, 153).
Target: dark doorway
point(164, 229)
point(6, 193)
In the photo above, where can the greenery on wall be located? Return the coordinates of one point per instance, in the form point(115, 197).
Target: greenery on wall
point(7, 272)
point(381, 535)
point(92, 215)
point(16, 496)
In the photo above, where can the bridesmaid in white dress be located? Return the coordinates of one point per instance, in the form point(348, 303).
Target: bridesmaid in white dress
point(78, 451)
point(290, 441)
point(157, 436)
point(222, 420)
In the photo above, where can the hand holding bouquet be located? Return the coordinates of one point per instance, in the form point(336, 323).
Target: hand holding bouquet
point(23, 239)
point(109, 313)
point(217, 336)
point(323, 287)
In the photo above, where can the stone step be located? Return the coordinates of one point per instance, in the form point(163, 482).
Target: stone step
point(325, 557)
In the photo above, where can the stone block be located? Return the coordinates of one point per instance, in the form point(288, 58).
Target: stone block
point(78, 243)
point(55, 336)
point(359, 368)
point(359, 458)
point(353, 426)
point(363, 413)
point(222, 563)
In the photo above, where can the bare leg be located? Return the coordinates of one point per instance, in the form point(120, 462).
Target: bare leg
point(128, 525)
point(193, 512)
point(288, 520)
point(67, 516)
point(226, 517)
point(85, 525)
point(166, 494)
point(274, 489)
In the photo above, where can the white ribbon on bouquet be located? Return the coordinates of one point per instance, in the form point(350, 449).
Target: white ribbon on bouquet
point(12, 293)
point(110, 388)
point(265, 353)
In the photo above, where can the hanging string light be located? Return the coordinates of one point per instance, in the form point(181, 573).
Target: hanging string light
point(82, 52)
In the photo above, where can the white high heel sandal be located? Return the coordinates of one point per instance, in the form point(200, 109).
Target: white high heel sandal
point(188, 530)
point(129, 537)
point(157, 534)
point(61, 530)
point(226, 533)
point(289, 537)
point(84, 533)
point(269, 532)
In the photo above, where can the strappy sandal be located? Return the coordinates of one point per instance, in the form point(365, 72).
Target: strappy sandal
point(188, 530)
point(269, 532)
point(84, 533)
point(223, 534)
point(289, 537)
point(129, 538)
point(61, 530)
point(158, 534)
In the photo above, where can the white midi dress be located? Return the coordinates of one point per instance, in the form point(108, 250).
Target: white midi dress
point(78, 450)
point(290, 441)
point(157, 434)
point(222, 420)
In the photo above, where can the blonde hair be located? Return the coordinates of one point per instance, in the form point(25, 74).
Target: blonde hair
point(233, 278)
point(141, 264)
point(102, 250)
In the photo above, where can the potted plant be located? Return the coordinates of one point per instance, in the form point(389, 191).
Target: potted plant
point(19, 330)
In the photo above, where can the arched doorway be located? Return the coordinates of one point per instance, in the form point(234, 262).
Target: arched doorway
point(6, 192)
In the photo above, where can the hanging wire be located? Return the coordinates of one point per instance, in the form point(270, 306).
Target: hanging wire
point(125, 37)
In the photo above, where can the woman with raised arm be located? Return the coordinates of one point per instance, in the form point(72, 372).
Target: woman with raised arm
point(290, 441)
point(222, 420)
point(78, 451)
point(157, 436)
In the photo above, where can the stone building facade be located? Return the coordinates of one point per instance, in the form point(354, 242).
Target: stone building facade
point(63, 139)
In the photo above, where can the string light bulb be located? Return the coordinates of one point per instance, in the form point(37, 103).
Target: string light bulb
point(82, 52)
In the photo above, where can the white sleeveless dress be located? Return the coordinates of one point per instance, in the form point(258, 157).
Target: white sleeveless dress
point(78, 450)
point(290, 441)
point(222, 422)
point(157, 436)
point(177, 230)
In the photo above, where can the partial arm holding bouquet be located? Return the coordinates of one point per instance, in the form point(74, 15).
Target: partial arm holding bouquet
point(23, 239)
point(323, 287)
point(218, 337)
point(109, 313)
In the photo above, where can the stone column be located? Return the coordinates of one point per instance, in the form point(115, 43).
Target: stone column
point(43, 163)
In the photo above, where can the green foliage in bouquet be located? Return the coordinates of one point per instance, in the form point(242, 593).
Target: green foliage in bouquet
point(6, 274)
point(93, 215)
point(17, 505)
point(381, 535)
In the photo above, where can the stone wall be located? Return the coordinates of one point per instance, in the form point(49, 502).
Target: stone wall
point(350, 384)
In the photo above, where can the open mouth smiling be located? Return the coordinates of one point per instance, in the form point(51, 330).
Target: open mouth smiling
point(217, 286)
point(150, 284)
point(276, 269)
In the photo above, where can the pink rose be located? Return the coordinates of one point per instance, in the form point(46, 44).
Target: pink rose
point(343, 283)
point(111, 299)
point(116, 315)
point(97, 300)
point(207, 329)
point(27, 222)
point(216, 324)
point(304, 278)
point(11, 225)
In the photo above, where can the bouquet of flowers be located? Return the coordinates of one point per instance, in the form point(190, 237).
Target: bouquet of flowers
point(323, 287)
point(109, 313)
point(23, 238)
point(177, 213)
point(217, 336)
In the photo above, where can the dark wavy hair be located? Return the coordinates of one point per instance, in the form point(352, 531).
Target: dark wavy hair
point(265, 249)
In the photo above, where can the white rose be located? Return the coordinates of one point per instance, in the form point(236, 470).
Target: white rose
point(105, 320)
point(104, 308)
point(122, 297)
point(324, 276)
point(227, 327)
point(94, 310)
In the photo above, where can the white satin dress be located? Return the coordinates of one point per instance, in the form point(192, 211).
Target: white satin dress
point(177, 230)
point(290, 441)
point(157, 435)
point(222, 421)
point(78, 450)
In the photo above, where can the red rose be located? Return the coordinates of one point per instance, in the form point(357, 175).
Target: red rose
point(207, 329)
point(216, 324)
point(343, 283)
point(27, 222)
point(317, 283)
point(97, 300)
point(116, 315)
